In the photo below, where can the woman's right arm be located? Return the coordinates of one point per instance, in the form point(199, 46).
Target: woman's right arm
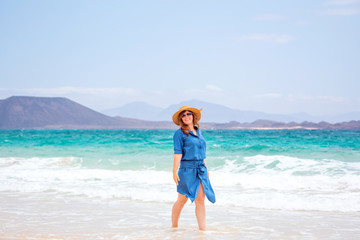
point(177, 159)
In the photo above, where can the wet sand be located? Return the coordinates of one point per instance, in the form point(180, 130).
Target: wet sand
point(54, 216)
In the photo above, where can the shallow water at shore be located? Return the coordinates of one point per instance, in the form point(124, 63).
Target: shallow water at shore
point(53, 216)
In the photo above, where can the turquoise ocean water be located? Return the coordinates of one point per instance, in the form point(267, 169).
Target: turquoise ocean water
point(311, 170)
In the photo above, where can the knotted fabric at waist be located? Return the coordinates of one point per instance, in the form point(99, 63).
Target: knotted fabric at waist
point(191, 174)
point(195, 164)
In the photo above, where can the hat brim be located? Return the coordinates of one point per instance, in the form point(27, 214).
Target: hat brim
point(196, 112)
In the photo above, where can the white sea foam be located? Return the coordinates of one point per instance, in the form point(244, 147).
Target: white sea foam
point(268, 182)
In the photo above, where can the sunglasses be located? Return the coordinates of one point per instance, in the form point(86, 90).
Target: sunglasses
point(186, 114)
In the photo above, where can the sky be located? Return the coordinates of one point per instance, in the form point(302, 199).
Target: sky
point(265, 55)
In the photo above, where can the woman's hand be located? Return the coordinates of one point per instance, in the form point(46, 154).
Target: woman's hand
point(177, 159)
point(206, 168)
point(176, 178)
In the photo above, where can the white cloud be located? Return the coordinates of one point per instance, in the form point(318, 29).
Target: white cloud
point(333, 99)
point(341, 2)
point(341, 12)
point(96, 98)
point(67, 90)
point(276, 38)
point(268, 95)
point(292, 103)
point(213, 88)
point(301, 23)
point(311, 98)
point(269, 17)
point(341, 8)
point(299, 97)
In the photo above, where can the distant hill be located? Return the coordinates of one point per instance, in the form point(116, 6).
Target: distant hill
point(212, 112)
point(219, 113)
point(62, 113)
point(43, 112)
point(138, 110)
point(266, 124)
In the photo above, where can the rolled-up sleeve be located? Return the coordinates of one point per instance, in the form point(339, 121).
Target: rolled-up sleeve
point(178, 142)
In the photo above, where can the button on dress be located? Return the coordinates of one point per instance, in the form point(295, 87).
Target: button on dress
point(192, 170)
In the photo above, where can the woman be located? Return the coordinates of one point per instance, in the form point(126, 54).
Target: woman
point(192, 178)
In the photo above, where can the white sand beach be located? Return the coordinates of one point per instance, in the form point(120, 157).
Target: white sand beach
point(51, 216)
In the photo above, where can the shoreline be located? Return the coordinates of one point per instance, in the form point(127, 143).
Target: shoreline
point(54, 216)
point(202, 127)
point(280, 128)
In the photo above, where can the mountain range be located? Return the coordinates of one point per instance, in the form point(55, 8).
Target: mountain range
point(23, 112)
point(54, 113)
point(219, 113)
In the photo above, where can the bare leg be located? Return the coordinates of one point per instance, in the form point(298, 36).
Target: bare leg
point(200, 208)
point(176, 209)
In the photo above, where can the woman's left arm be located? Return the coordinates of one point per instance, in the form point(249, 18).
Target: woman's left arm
point(206, 167)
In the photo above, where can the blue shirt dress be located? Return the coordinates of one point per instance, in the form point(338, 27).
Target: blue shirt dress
point(192, 169)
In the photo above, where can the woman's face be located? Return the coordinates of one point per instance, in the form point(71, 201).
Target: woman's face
point(187, 117)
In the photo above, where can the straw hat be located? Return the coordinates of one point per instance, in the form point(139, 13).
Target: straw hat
point(196, 112)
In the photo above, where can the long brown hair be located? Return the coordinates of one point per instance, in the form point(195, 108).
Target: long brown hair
point(184, 128)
